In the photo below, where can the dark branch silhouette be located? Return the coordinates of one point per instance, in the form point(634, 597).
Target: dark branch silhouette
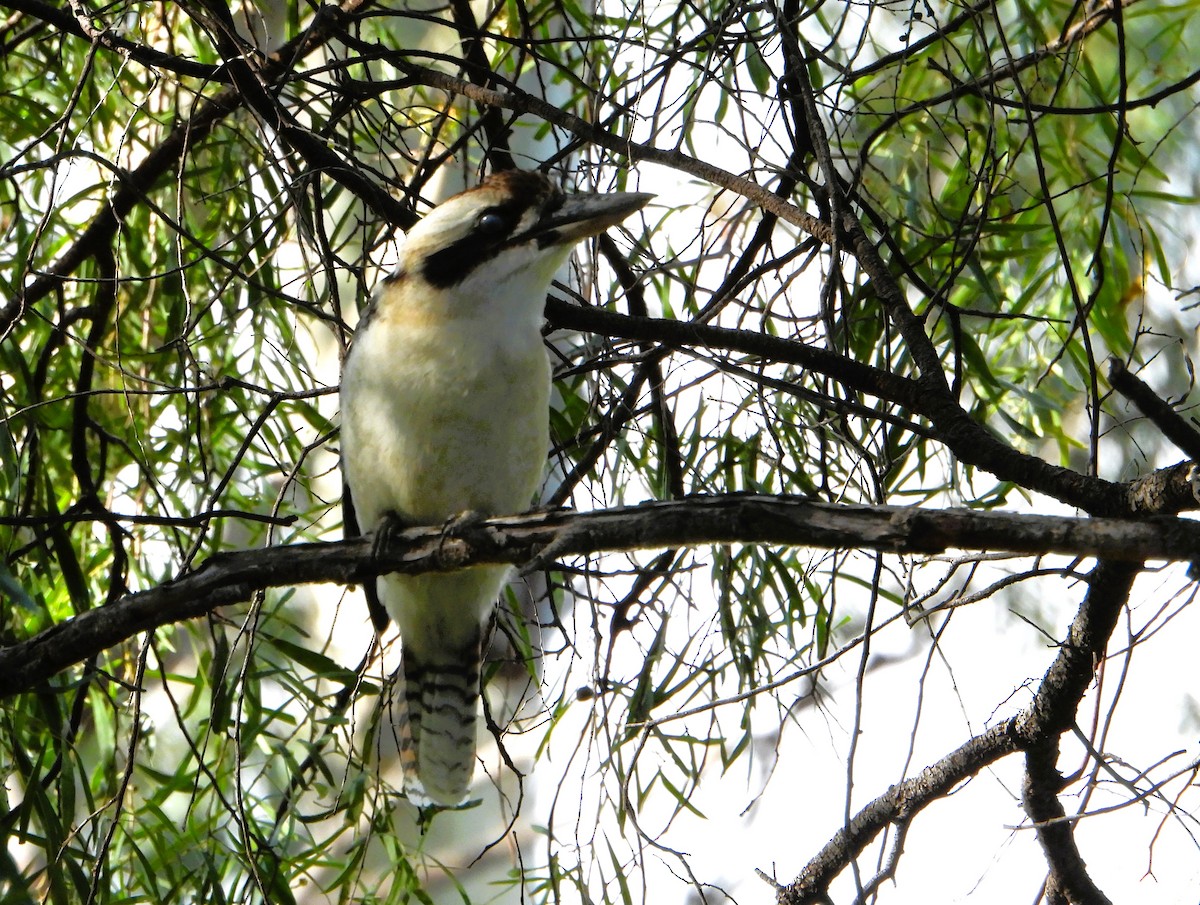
point(537, 540)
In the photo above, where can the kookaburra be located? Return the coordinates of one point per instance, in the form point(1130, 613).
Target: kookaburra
point(444, 408)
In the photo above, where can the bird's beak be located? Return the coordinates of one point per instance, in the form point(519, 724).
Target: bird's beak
point(584, 215)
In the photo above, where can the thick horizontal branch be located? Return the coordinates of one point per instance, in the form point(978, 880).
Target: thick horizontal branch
point(853, 374)
point(538, 538)
point(1175, 488)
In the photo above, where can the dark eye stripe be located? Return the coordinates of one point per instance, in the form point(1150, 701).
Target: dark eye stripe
point(451, 265)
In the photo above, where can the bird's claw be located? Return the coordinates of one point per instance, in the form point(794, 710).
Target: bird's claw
point(470, 518)
point(389, 526)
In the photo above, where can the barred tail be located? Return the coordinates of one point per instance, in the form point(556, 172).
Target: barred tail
point(439, 705)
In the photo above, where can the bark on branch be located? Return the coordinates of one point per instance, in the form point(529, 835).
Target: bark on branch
point(1053, 713)
point(536, 539)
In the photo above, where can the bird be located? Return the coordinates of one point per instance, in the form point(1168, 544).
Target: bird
point(445, 396)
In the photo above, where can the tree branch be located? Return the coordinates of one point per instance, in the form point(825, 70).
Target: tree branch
point(537, 538)
point(853, 375)
point(64, 22)
point(1052, 713)
point(1168, 490)
point(1174, 426)
point(900, 803)
point(1035, 730)
point(136, 184)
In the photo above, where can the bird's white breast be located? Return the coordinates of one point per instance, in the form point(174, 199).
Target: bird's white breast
point(444, 414)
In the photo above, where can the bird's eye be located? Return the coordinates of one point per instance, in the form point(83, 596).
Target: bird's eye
point(491, 224)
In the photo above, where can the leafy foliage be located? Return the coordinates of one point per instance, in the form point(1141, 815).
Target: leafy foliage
point(194, 202)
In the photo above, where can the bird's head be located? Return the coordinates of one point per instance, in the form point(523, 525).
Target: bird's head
point(513, 231)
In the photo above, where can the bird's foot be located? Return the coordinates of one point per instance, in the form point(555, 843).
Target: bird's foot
point(464, 521)
point(389, 526)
